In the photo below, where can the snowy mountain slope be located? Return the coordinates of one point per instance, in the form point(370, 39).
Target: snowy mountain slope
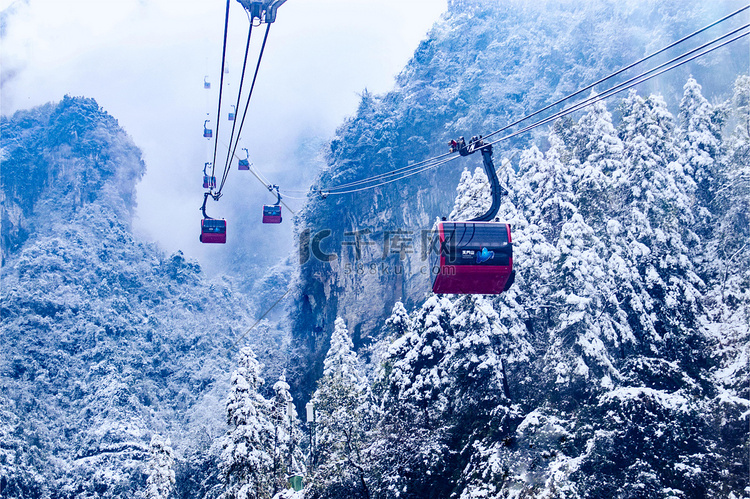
point(616, 365)
point(606, 370)
point(105, 340)
point(482, 66)
point(611, 368)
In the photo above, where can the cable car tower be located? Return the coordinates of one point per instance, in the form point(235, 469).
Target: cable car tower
point(474, 256)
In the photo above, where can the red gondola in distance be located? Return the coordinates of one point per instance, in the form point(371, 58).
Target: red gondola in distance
point(272, 214)
point(213, 231)
point(244, 164)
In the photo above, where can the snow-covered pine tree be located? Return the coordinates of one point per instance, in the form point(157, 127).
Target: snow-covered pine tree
point(473, 195)
point(599, 152)
point(287, 456)
point(344, 413)
point(728, 298)
point(442, 386)
point(246, 462)
point(410, 445)
point(161, 477)
point(655, 278)
point(399, 322)
point(699, 137)
point(732, 251)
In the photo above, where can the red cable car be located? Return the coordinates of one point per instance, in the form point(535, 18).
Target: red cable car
point(213, 230)
point(272, 212)
point(244, 164)
point(474, 256)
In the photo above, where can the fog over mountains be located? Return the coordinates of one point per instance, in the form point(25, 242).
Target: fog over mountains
point(616, 365)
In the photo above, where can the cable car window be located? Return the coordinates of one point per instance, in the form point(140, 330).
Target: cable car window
point(476, 244)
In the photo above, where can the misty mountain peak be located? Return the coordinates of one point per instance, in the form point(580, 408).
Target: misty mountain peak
point(60, 157)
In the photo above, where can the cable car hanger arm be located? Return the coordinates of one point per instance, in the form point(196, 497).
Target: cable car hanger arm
point(477, 144)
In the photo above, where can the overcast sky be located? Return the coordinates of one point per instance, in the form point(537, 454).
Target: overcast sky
point(144, 62)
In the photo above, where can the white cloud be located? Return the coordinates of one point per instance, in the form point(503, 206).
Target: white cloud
point(144, 62)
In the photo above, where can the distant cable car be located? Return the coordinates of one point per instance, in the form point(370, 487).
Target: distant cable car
point(232, 113)
point(213, 230)
point(474, 256)
point(206, 83)
point(209, 181)
point(244, 164)
point(272, 212)
point(207, 132)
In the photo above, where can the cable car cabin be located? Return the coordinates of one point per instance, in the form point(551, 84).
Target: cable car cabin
point(472, 258)
point(243, 164)
point(209, 182)
point(206, 83)
point(272, 214)
point(213, 231)
point(208, 133)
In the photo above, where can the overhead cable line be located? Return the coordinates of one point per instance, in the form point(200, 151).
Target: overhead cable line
point(227, 162)
point(412, 167)
point(619, 71)
point(392, 172)
point(247, 104)
point(260, 319)
point(616, 90)
point(221, 88)
point(265, 183)
point(643, 77)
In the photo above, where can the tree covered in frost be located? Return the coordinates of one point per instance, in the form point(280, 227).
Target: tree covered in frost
point(287, 456)
point(442, 379)
point(729, 258)
point(161, 477)
point(343, 415)
point(611, 367)
point(246, 460)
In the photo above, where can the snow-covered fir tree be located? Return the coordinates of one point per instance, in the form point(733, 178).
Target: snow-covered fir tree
point(161, 477)
point(344, 413)
point(287, 456)
point(246, 460)
point(607, 312)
